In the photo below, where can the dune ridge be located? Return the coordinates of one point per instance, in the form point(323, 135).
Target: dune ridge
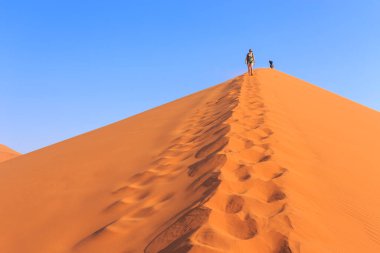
point(7, 153)
point(236, 203)
point(248, 209)
point(267, 163)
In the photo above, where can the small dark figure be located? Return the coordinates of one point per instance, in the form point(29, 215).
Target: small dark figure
point(271, 64)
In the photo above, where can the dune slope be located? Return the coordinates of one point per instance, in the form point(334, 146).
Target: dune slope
point(267, 163)
point(7, 153)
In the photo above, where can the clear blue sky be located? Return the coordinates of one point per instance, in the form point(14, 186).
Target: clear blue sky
point(67, 67)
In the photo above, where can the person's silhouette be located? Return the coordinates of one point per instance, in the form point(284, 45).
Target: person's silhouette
point(250, 61)
point(271, 64)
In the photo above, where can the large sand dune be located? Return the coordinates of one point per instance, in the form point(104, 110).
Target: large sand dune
point(267, 163)
point(7, 153)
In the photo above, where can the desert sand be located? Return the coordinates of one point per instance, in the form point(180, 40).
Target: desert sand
point(7, 153)
point(267, 163)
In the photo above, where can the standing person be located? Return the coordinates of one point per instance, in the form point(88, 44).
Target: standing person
point(271, 64)
point(250, 61)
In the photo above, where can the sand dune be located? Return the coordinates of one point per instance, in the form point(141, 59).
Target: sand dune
point(267, 163)
point(7, 153)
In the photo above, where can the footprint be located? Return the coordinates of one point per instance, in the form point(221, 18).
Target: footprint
point(241, 229)
point(125, 189)
point(248, 143)
point(210, 237)
point(143, 178)
point(117, 205)
point(265, 158)
point(268, 170)
point(212, 181)
point(276, 196)
point(94, 235)
point(279, 211)
point(234, 204)
point(265, 191)
point(167, 197)
point(236, 144)
point(191, 131)
point(280, 173)
point(242, 172)
point(143, 195)
point(252, 155)
point(217, 120)
point(284, 247)
point(212, 162)
point(207, 182)
point(263, 133)
point(144, 212)
point(212, 147)
point(223, 130)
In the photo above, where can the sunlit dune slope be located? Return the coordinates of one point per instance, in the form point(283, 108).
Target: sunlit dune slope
point(267, 163)
point(7, 153)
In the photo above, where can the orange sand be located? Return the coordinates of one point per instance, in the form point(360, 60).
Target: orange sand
point(256, 164)
point(7, 153)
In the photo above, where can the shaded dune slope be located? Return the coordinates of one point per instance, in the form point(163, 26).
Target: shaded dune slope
point(253, 164)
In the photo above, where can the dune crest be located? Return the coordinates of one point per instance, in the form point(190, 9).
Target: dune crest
point(267, 163)
point(7, 153)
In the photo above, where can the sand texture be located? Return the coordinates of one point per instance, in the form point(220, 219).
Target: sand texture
point(267, 164)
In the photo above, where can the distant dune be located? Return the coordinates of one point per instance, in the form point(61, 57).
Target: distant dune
point(7, 153)
point(267, 164)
